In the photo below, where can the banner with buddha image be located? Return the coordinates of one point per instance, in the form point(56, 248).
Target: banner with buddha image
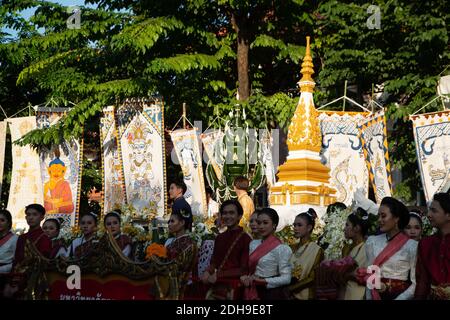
point(142, 149)
point(343, 152)
point(432, 137)
point(187, 148)
point(60, 171)
point(374, 140)
point(112, 172)
point(26, 185)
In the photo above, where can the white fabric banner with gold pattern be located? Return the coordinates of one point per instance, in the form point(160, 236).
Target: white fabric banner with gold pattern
point(26, 181)
point(342, 149)
point(60, 170)
point(185, 142)
point(143, 156)
point(374, 139)
point(432, 137)
point(3, 126)
point(113, 183)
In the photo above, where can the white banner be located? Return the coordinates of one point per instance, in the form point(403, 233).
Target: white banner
point(187, 148)
point(112, 171)
point(142, 147)
point(26, 182)
point(212, 142)
point(266, 142)
point(375, 146)
point(61, 171)
point(432, 137)
point(3, 126)
point(342, 149)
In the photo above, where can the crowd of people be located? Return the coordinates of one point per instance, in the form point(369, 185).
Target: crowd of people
point(249, 261)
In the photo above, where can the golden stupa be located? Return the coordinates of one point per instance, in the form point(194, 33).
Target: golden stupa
point(303, 181)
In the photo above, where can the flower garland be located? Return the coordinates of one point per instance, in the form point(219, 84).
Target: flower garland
point(334, 237)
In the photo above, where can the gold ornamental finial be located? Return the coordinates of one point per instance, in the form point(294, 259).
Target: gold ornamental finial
point(306, 83)
point(304, 130)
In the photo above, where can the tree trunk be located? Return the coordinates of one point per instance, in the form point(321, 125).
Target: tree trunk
point(243, 46)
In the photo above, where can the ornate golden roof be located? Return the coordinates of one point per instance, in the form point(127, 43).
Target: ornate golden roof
point(304, 130)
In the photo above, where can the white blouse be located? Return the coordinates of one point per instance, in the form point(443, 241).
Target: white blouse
point(7, 252)
point(401, 266)
point(275, 266)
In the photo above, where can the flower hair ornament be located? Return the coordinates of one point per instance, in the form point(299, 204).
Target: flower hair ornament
point(312, 213)
point(185, 214)
point(92, 214)
point(416, 214)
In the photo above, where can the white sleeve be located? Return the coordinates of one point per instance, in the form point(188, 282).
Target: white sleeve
point(284, 267)
point(62, 252)
point(408, 294)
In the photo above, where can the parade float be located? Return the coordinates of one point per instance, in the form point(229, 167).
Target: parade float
point(104, 273)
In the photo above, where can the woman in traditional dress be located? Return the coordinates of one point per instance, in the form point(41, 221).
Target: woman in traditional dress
point(82, 245)
point(269, 265)
point(393, 253)
point(51, 227)
point(8, 241)
point(415, 226)
point(181, 247)
point(306, 257)
point(433, 257)
point(112, 223)
point(356, 229)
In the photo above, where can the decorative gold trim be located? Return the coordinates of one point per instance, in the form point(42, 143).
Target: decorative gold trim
point(303, 169)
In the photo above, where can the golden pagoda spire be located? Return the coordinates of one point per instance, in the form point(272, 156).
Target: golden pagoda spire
point(304, 130)
point(306, 83)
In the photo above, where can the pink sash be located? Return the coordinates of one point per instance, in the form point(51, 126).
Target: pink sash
point(250, 293)
point(392, 247)
point(6, 238)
